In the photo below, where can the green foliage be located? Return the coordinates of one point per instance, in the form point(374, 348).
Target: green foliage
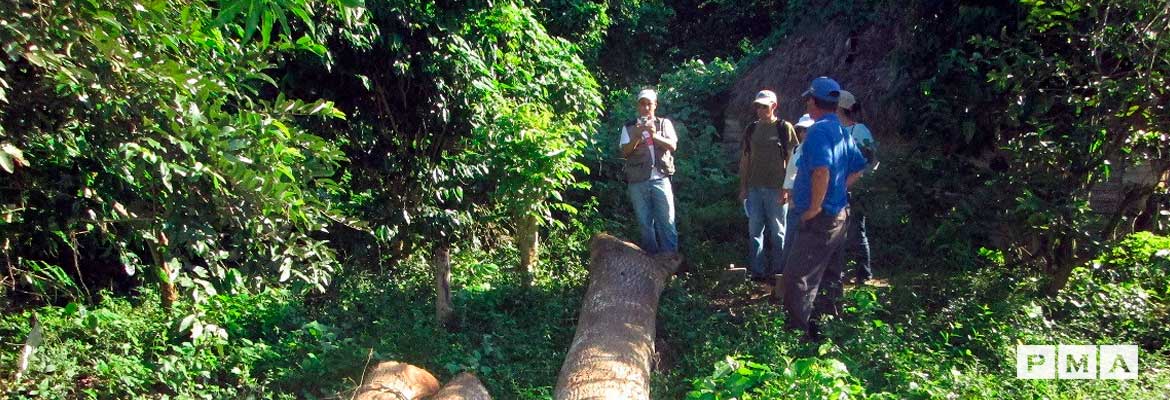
point(805, 378)
point(149, 132)
point(584, 22)
point(1122, 295)
point(119, 349)
point(946, 337)
point(184, 142)
point(650, 38)
point(1043, 106)
point(459, 111)
point(528, 132)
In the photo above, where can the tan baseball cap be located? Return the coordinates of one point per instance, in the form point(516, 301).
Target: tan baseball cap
point(766, 97)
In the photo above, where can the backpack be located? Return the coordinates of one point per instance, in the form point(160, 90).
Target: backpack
point(746, 145)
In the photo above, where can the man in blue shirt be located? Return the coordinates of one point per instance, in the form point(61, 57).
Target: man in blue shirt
point(829, 162)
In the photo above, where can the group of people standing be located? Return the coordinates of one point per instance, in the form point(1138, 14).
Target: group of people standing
point(794, 185)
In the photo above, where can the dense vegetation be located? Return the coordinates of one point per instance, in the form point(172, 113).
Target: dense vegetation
point(241, 198)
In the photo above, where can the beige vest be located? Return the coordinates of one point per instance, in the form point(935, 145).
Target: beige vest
point(638, 164)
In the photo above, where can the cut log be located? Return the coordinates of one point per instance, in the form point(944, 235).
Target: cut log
point(464, 387)
point(392, 380)
point(610, 355)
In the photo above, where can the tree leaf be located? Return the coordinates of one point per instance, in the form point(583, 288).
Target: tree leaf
point(229, 12)
point(254, 12)
point(6, 162)
point(266, 24)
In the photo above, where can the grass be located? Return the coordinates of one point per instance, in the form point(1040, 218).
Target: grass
point(948, 334)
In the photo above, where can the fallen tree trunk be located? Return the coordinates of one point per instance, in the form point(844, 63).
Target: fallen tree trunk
point(464, 387)
point(392, 380)
point(611, 352)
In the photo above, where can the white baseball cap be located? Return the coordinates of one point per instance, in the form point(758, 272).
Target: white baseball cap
point(846, 100)
point(766, 97)
point(648, 94)
point(805, 121)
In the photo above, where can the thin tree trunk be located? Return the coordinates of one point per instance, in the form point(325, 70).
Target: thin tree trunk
point(392, 380)
point(611, 352)
point(441, 263)
point(1063, 264)
point(166, 287)
point(8, 264)
point(75, 248)
point(528, 240)
point(1131, 199)
point(464, 387)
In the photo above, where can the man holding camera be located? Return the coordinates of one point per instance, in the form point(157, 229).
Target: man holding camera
point(648, 144)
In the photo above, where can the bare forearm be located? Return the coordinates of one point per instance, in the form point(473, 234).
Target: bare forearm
point(665, 143)
point(851, 179)
point(743, 168)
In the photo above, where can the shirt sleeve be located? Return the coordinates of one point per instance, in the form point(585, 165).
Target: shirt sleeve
point(745, 142)
point(793, 140)
point(857, 161)
point(790, 172)
point(863, 136)
point(625, 137)
point(817, 151)
point(668, 130)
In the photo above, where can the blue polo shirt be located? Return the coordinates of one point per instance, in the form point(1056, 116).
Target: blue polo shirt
point(827, 145)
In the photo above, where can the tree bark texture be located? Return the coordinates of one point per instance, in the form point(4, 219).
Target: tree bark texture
point(1064, 261)
point(444, 312)
point(168, 294)
point(464, 387)
point(392, 380)
point(610, 355)
point(528, 241)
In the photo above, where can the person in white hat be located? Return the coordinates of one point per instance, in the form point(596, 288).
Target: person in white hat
point(793, 221)
point(648, 144)
point(767, 146)
point(849, 110)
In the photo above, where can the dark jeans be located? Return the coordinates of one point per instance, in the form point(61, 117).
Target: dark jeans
point(813, 263)
point(859, 242)
point(791, 227)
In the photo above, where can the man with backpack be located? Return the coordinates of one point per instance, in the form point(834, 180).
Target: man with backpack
point(648, 144)
point(767, 146)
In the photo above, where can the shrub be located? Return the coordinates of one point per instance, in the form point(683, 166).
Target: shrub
point(1123, 295)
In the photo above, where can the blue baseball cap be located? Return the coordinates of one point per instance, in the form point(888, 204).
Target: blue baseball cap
point(823, 88)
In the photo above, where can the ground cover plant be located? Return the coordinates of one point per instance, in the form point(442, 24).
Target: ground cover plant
point(263, 198)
